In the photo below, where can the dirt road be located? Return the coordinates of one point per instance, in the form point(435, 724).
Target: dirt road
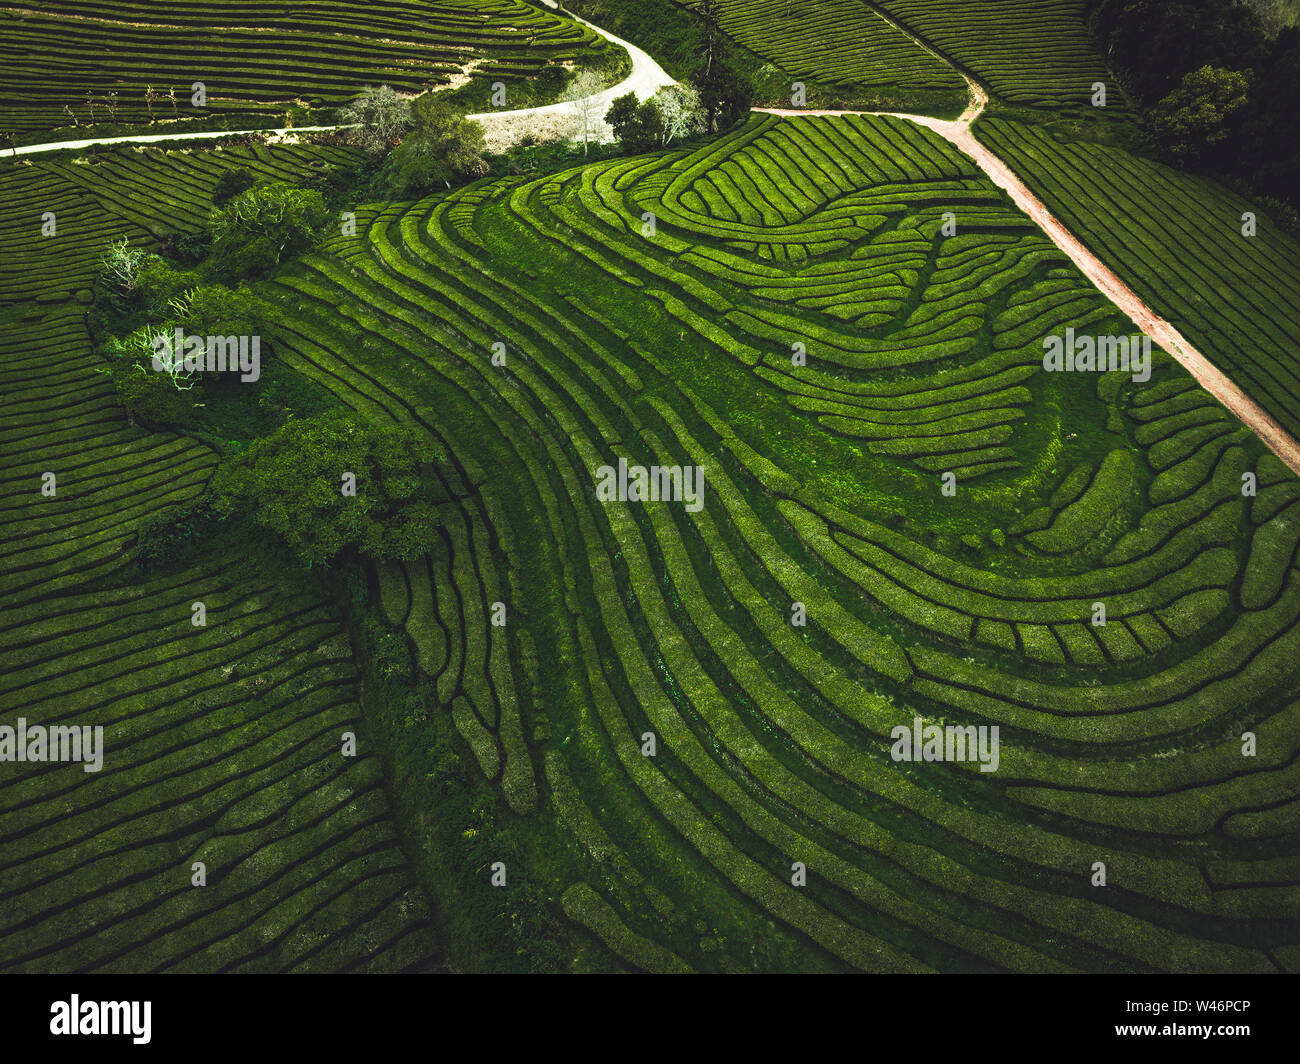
point(502, 127)
point(1210, 377)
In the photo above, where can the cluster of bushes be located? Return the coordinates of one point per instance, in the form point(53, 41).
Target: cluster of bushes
point(715, 97)
point(327, 487)
point(1220, 83)
point(146, 300)
point(420, 145)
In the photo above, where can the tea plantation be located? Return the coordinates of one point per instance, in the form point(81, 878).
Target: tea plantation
point(1121, 741)
point(598, 735)
point(260, 59)
point(223, 740)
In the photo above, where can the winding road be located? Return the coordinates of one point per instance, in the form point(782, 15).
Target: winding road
point(960, 134)
point(647, 76)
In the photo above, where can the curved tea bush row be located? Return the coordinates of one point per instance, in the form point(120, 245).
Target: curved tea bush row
point(166, 192)
point(1174, 237)
point(836, 42)
point(261, 58)
point(222, 747)
point(1035, 53)
point(223, 742)
point(773, 739)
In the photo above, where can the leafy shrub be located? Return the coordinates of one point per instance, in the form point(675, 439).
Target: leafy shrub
point(264, 226)
point(232, 182)
point(442, 147)
point(1194, 118)
point(292, 483)
point(638, 127)
point(153, 397)
point(160, 282)
point(380, 115)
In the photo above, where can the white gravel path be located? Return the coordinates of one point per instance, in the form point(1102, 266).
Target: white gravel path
point(502, 128)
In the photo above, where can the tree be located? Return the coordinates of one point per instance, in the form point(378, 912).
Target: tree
point(637, 126)
point(712, 42)
point(216, 310)
point(154, 397)
point(120, 264)
point(1195, 116)
point(232, 182)
point(1270, 130)
point(680, 109)
point(581, 97)
point(725, 96)
point(162, 395)
point(442, 146)
point(292, 482)
point(380, 115)
point(263, 226)
point(1156, 43)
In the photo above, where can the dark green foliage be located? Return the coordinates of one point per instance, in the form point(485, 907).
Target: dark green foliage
point(152, 399)
point(160, 282)
point(292, 483)
point(725, 93)
point(173, 537)
point(1269, 142)
point(232, 183)
point(1188, 123)
point(216, 310)
point(1155, 44)
point(638, 127)
point(264, 226)
point(1255, 142)
point(441, 149)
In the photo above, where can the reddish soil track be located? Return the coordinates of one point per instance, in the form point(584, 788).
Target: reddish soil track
point(1212, 379)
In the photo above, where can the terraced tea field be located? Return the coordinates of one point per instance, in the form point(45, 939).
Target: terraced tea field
point(1027, 54)
point(258, 58)
point(222, 742)
point(1120, 742)
point(1175, 237)
point(1031, 53)
point(678, 723)
point(840, 43)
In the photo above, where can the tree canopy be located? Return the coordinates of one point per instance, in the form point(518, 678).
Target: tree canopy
point(441, 146)
point(1195, 116)
point(294, 482)
point(263, 226)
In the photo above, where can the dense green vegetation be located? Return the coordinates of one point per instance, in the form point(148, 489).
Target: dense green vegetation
point(842, 52)
point(223, 740)
point(1174, 237)
point(773, 739)
point(1028, 53)
point(642, 720)
point(1172, 54)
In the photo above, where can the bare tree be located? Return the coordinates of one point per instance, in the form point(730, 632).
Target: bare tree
point(119, 265)
point(148, 99)
point(681, 110)
point(379, 116)
point(68, 111)
point(171, 95)
point(581, 97)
